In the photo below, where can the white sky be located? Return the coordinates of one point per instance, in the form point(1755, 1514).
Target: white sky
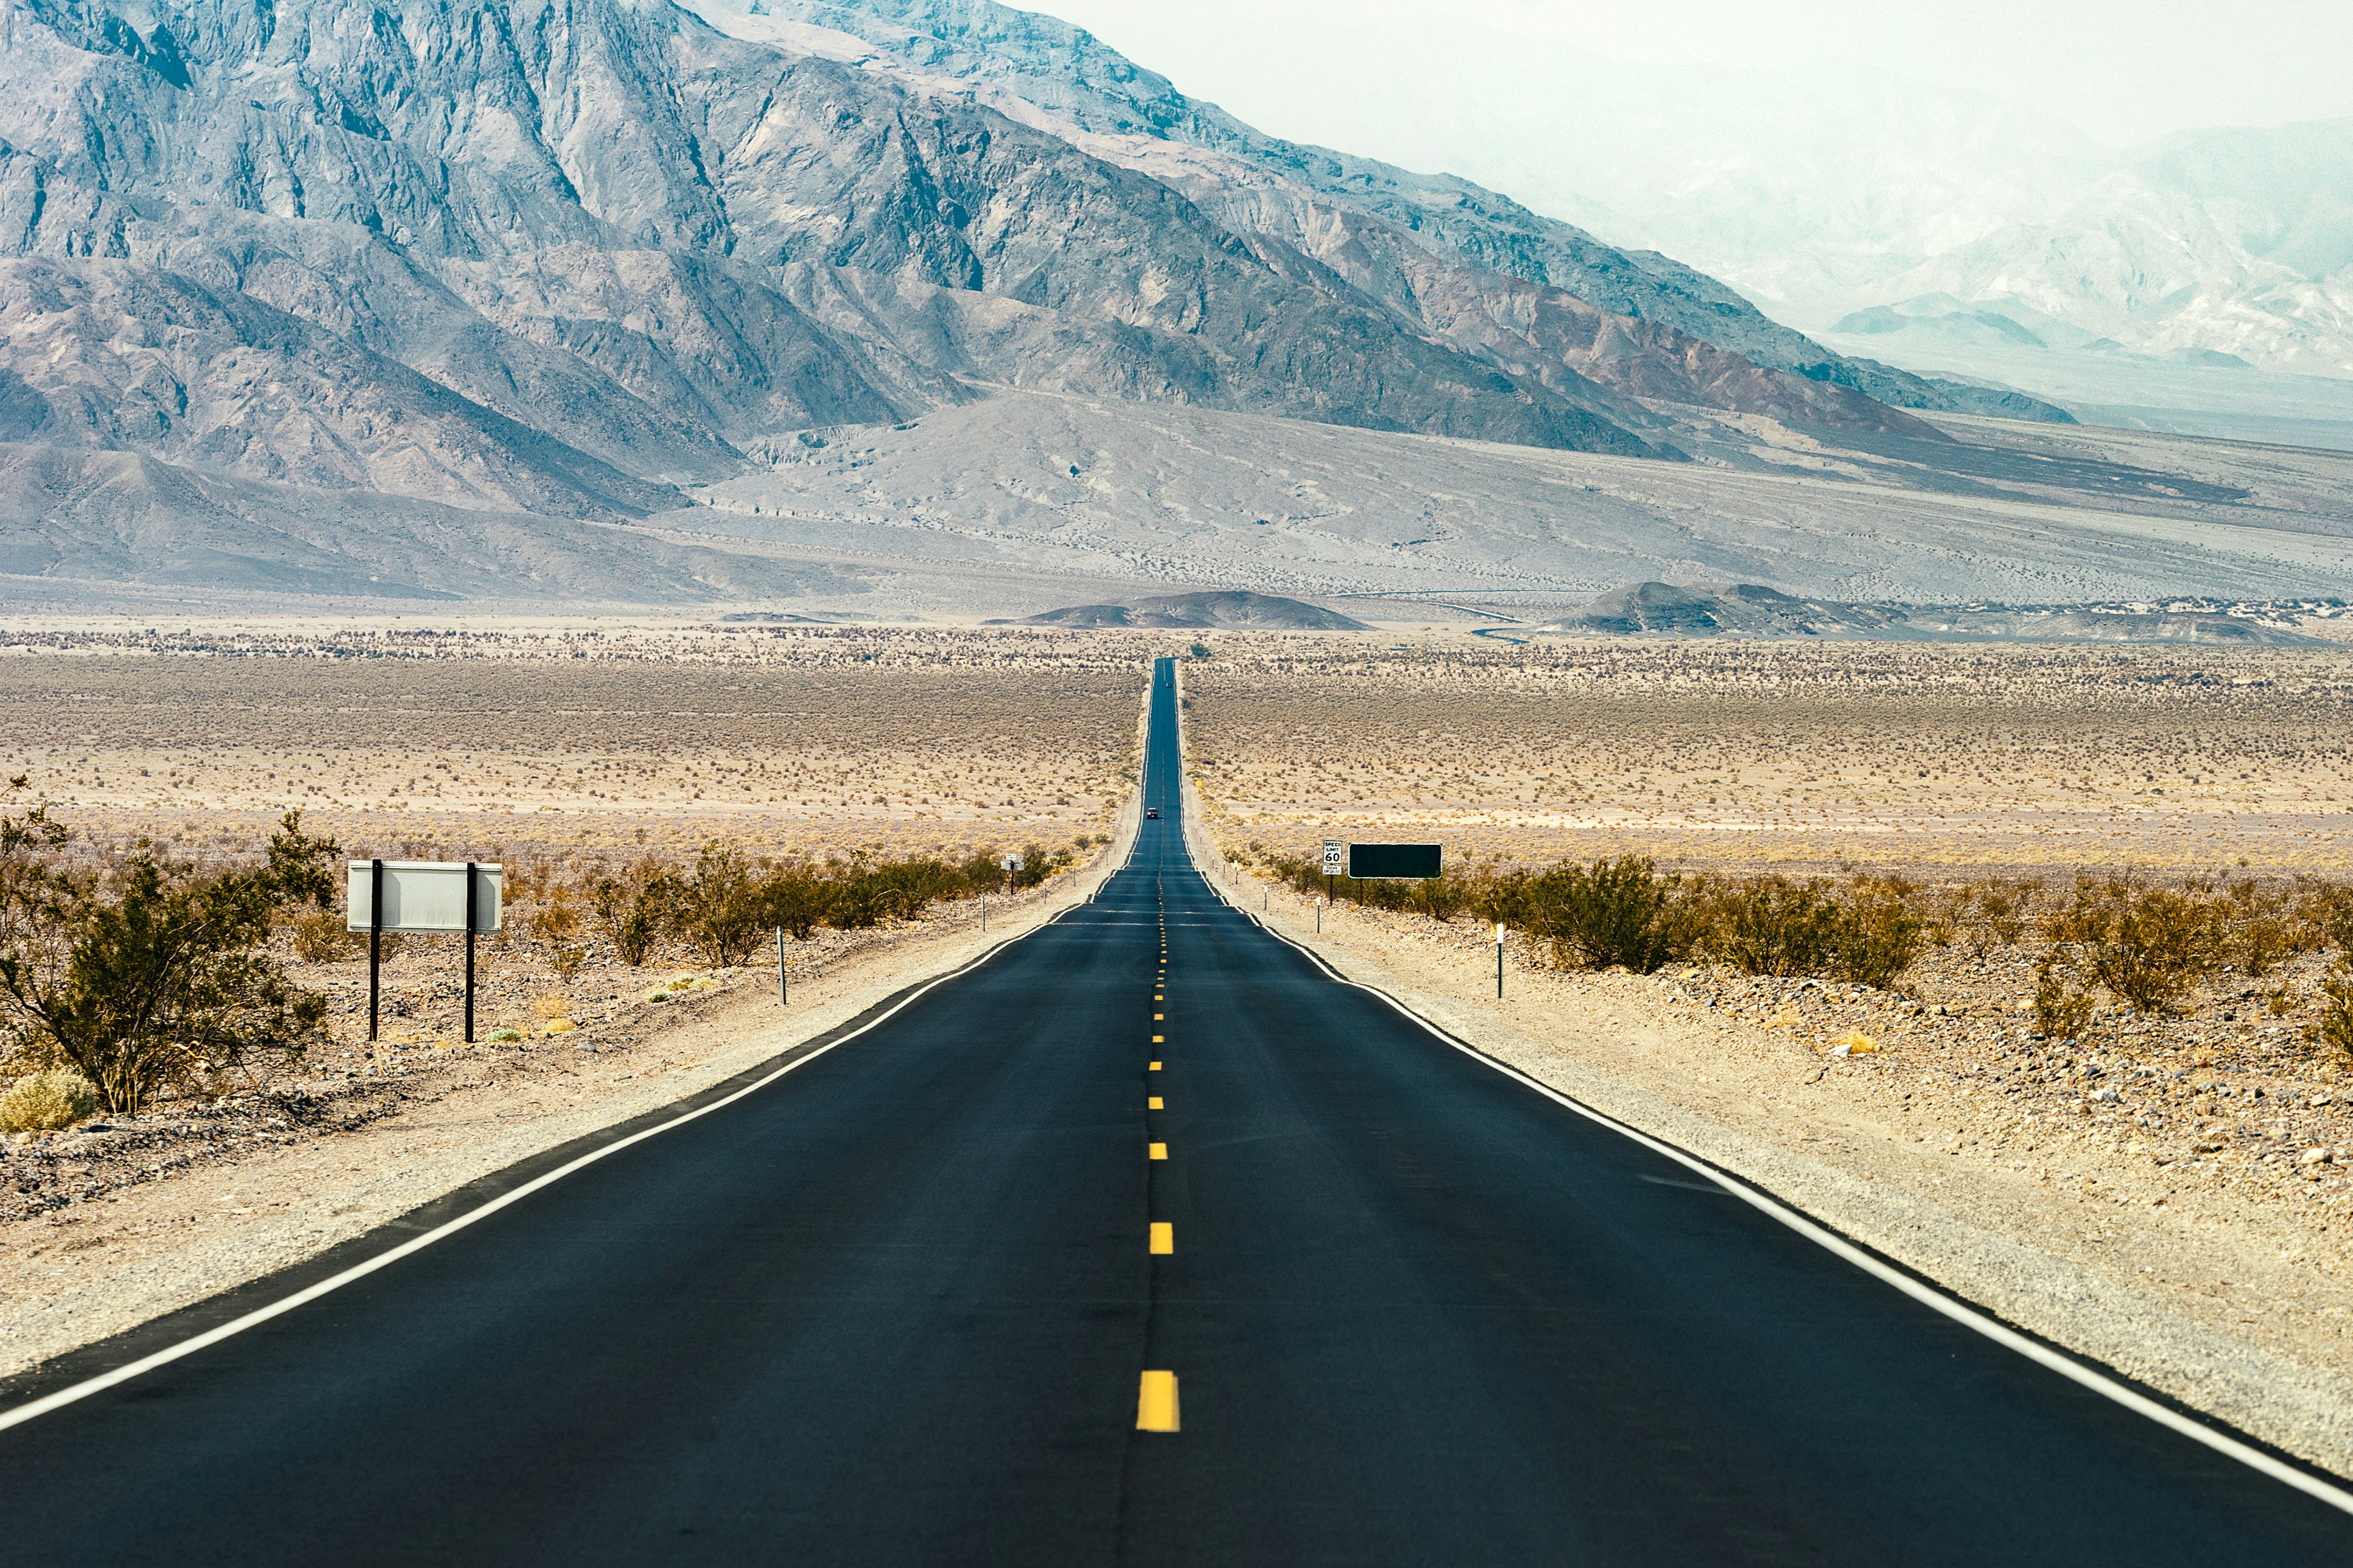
point(2124, 71)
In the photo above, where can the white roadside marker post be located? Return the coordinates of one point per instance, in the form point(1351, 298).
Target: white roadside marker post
point(783, 992)
point(1499, 961)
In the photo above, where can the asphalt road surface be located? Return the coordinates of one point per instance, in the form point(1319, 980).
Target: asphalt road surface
point(905, 1303)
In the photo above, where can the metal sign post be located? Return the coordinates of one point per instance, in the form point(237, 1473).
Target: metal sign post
point(1012, 864)
point(376, 939)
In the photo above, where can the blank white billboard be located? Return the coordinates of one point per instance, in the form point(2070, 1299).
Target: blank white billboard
point(425, 895)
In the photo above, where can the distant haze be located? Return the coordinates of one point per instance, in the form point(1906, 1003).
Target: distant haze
point(2124, 71)
point(2115, 204)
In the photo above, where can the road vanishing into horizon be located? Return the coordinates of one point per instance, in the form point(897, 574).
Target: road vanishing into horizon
point(1144, 1240)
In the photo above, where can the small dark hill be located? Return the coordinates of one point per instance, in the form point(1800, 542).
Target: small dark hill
point(1721, 609)
point(1230, 611)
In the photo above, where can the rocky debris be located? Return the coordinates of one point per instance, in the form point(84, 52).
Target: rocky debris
point(1751, 609)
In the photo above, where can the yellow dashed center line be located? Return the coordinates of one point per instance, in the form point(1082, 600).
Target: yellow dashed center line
point(1152, 1068)
point(1156, 1403)
point(1156, 1151)
point(1163, 1238)
point(1153, 1104)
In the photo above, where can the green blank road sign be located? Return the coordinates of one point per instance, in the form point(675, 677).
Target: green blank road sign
point(1367, 861)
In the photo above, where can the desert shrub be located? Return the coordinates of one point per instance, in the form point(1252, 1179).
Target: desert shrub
point(2334, 1033)
point(1619, 913)
point(868, 891)
point(321, 937)
point(794, 899)
point(1770, 925)
point(1879, 931)
point(2321, 915)
point(1037, 863)
point(632, 910)
point(557, 923)
point(2259, 927)
point(153, 973)
point(2149, 946)
point(45, 1101)
point(719, 907)
point(2061, 1007)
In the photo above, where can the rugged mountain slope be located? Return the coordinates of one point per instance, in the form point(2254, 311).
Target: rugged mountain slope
point(1072, 78)
point(115, 520)
point(500, 257)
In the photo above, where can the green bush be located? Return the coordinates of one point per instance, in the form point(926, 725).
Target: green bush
point(1619, 913)
point(45, 1101)
point(795, 900)
point(719, 907)
point(150, 972)
point(633, 910)
point(1770, 925)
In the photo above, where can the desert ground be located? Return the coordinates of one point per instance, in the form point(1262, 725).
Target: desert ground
point(1808, 757)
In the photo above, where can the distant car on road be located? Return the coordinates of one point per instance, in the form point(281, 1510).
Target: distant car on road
point(1152, 813)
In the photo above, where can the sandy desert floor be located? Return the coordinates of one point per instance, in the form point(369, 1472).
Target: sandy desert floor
point(1806, 757)
point(454, 742)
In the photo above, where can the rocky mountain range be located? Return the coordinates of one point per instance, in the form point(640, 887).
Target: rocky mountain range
point(419, 299)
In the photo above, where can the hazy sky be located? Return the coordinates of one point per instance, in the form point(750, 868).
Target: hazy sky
point(2123, 70)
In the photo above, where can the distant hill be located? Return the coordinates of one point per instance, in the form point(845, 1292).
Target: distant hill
point(1752, 610)
point(1235, 611)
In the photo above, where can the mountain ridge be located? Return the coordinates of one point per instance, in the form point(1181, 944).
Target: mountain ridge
point(1065, 70)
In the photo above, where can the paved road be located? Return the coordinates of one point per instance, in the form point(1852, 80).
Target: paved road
point(898, 1307)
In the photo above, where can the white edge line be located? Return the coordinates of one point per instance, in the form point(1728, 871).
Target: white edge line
point(1952, 1307)
point(34, 1409)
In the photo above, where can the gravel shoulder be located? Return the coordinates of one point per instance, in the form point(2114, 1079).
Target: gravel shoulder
point(2221, 1287)
point(118, 1224)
